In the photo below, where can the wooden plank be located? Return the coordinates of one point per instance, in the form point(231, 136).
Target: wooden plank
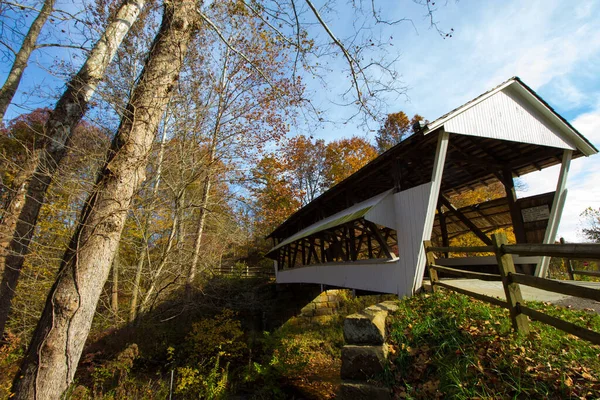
point(511, 289)
point(433, 275)
point(484, 238)
point(443, 229)
point(586, 273)
point(515, 212)
point(467, 274)
point(562, 325)
point(556, 211)
point(586, 251)
point(478, 296)
point(462, 249)
point(556, 286)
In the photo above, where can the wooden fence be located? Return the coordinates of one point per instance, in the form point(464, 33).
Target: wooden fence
point(511, 280)
point(243, 272)
point(572, 272)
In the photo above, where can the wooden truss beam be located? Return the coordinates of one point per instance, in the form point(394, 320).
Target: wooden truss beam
point(382, 242)
point(484, 238)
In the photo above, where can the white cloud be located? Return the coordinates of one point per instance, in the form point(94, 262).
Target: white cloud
point(589, 125)
point(548, 44)
point(583, 183)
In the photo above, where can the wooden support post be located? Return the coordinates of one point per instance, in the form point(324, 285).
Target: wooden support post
point(511, 290)
point(515, 212)
point(295, 256)
point(568, 263)
point(444, 229)
point(436, 183)
point(322, 247)
point(313, 249)
point(556, 211)
point(352, 241)
point(303, 251)
point(433, 275)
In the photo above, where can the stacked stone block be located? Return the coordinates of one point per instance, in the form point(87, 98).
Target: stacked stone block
point(365, 353)
point(322, 307)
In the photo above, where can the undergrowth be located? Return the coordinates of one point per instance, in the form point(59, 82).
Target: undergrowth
point(446, 345)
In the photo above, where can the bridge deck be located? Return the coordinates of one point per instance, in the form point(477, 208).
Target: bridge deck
point(495, 289)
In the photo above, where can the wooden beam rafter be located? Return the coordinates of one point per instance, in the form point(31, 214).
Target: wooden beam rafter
point(446, 203)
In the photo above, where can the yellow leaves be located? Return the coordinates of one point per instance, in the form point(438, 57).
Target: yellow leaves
point(346, 156)
point(587, 376)
point(568, 381)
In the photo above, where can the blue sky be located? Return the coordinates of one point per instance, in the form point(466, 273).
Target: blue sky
point(553, 46)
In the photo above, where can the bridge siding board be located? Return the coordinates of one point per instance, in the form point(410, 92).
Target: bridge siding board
point(506, 115)
point(411, 212)
point(372, 276)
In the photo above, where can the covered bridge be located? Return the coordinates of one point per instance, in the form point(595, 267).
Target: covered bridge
point(367, 232)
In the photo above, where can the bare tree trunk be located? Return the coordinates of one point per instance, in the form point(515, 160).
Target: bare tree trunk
point(165, 255)
point(53, 354)
point(114, 298)
point(58, 130)
point(191, 276)
point(22, 57)
point(198, 240)
point(133, 307)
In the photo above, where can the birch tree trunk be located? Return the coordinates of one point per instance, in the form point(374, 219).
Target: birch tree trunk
point(53, 354)
point(22, 57)
point(58, 130)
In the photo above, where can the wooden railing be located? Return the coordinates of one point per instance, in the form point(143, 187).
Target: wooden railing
point(245, 272)
point(511, 280)
point(572, 272)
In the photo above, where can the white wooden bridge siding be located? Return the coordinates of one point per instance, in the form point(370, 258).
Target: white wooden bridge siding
point(406, 212)
point(376, 277)
point(507, 116)
point(411, 214)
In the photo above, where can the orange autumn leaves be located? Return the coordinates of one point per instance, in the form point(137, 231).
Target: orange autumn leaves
point(304, 168)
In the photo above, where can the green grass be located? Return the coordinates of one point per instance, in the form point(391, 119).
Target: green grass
point(446, 345)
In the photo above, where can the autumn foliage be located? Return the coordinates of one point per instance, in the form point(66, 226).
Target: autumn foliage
point(396, 127)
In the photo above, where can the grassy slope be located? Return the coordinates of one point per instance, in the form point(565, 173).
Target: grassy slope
point(446, 345)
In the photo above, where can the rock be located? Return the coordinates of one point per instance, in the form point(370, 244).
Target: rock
point(384, 306)
point(323, 311)
point(365, 328)
point(362, 362)
point(363, 391)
